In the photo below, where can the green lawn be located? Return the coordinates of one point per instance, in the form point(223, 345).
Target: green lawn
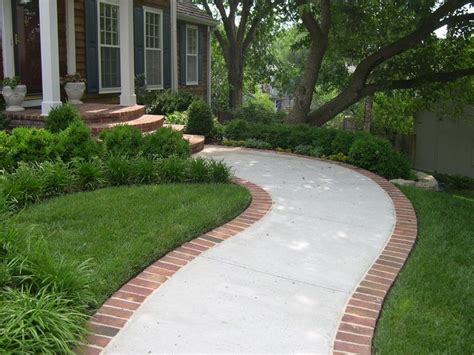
point(431, 307)
point(125, 229)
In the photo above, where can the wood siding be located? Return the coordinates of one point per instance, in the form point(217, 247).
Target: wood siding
point(79, 8)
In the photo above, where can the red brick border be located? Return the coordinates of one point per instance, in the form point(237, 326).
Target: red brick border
point(358, 321)
point(117, 310)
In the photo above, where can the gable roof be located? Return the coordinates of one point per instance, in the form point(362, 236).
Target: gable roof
point(190, 12)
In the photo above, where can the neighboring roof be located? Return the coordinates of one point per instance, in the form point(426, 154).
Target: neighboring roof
point(190, 12)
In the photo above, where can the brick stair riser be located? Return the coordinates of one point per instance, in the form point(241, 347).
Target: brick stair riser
point(145, 127)
point(115, 117)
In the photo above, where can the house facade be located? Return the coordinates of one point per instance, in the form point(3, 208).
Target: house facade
point(165, 44)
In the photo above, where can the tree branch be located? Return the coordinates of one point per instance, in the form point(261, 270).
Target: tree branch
point(309, 21)
point(431, 24)
point(441, 77)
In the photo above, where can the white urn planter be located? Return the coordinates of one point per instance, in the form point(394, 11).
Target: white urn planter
point(75, 91)
point(14, 97)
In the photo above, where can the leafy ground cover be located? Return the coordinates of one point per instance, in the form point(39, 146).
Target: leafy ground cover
point(124, 229)
point(431, 307)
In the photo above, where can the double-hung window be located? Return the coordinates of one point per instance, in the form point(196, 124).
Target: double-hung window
point(153, 48)
point(191, 55)
point(109, 46)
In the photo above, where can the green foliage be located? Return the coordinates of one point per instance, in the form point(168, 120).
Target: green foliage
point(308, 150)
point(377, 155)
point(167, 101)
point(13, 82)
point(217, 132)
point(122, 139)
point(34, 182)
point(42, 322)
point(165, 142)
point(76, 142)
point(259, 108)
point(88, 174)
point(4, 120)
point(55, 177)
point(455, 182)
point(27, 145)
point(200, 120)
point(43, 298)
point(359, 148)
point(258, 144)
point(60, 117)
point(177, 117)
point(118, 170)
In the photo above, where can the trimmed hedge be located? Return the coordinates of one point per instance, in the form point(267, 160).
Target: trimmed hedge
point(358, 148)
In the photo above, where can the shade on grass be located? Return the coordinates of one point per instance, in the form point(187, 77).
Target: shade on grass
point(431, 307)
point(125, 229)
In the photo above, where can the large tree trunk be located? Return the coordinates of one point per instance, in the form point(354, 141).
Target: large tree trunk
point(236, 81)
point(304, 92)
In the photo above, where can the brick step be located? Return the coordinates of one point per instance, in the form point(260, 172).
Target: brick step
point(176, 127)
point(146, 123)
point(196, 142)
point(99, 113)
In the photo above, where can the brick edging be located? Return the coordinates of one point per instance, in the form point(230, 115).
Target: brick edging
point(357, 324)
point(355, 332)
point(118, 309)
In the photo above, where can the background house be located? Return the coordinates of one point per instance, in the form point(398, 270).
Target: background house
point(108, 42)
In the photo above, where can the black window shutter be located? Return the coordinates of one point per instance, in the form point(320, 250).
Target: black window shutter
point(139, 42)
point(92, 46)
point(201, 48)
point(166, 50)
point(182, 54)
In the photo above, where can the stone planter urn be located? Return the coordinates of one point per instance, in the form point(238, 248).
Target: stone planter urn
point(14, 97)
point(75, 91)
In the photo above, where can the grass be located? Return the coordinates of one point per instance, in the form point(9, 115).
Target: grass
point(124, 229)
point(430, 310)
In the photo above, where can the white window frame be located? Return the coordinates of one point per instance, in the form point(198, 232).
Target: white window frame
point(192, 55)
point(114, 3)
point(159, 12)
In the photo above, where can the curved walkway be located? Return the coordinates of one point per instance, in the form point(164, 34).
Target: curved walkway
point(280, 286)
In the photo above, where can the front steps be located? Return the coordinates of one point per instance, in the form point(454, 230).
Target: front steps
point(100, 117)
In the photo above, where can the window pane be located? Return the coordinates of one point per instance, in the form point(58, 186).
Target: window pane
point(153, 67)
point(191, 68)
point(191, 41)
point(110, 67)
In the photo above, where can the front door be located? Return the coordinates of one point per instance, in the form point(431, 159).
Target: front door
point(27, 43)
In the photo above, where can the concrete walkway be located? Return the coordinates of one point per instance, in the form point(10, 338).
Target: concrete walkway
point(281, 285)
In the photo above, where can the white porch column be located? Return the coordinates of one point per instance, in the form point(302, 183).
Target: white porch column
point(7, 38)
point(127, 65)
point(209, 65)
point(174, 47)
point(70, 37)
point(49, 54)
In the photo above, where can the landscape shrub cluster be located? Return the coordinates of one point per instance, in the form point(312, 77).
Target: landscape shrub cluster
point(33, 182)
point(358, 148)
point(37, 145)
point(167, 101)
